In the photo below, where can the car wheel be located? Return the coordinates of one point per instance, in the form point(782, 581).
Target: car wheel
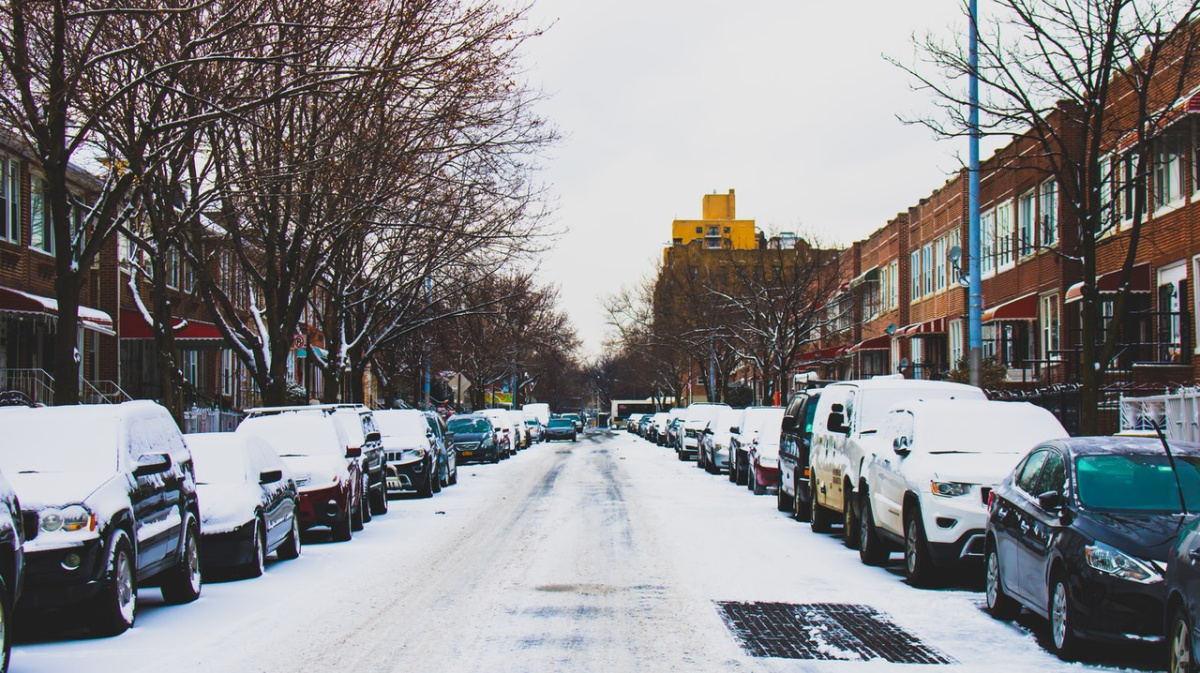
point(800, 509)
point(454, 475)
point(257, 563)
point(342, 531)
point(114, 608)
point(821, 520)
point(999, 604)
point(918, 566)
point(182, 583)
point(850, 521)
point(743, 478)
point(1180, 655)
point(425, 488)
point(290, 549)
point(700, 458)
point(872, 550)
point(783, 501)
point(1062, 620)
point(756, 484)
point(435, 476)
point(379, 501)
point(356, 513)
point(732, 467)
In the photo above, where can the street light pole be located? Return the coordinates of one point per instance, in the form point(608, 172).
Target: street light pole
point(974, 247)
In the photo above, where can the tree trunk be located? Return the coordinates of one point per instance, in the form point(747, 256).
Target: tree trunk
point(66, 356)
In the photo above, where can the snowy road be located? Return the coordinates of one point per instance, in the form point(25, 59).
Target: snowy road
point(603, 555)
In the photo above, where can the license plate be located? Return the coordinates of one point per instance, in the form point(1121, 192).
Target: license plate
point(468, 453)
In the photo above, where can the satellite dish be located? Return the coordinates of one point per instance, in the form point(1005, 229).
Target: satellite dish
point(890, 329)
point(955, 254)
point(903, 363)
point(963, 281)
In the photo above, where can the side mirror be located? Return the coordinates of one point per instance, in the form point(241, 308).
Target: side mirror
point(270, 476)
point(789, 423)
point(151, 463)
point(900, 446)
point(837, 423)
point(353, 451)
point(1050, 500)
point(373, 437)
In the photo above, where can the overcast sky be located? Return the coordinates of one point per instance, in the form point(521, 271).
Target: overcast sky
point(789, 102)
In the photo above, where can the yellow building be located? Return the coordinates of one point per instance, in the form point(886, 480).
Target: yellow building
point(719, 227)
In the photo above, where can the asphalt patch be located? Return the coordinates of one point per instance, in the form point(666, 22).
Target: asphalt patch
point(824, 631)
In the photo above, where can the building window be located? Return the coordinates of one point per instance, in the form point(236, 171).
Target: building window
point(699, 230)
point(1126, 185)
point(914, 272)
point(956, 342)
point(987, 242)
point(894, 274)
point(227, 373)
point(1025, 219)
point(1048, 323)
point(1004, 236)
point(939, 258)
point(1168, 169)
point(41, 229)
point(726, 230)
point(189, 365)
point(988, 345)
point(1172, 291)
point(915, 346)
point(1049, 212)
point(927, 269)
point(10, 200)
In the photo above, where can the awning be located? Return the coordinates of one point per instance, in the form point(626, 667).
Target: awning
point(1022, 308)
point(134, 326)
point(918, 329)
point(867, 276)
point(879, 343)
point(823, 354)
point(321, 353)
point(1110, 283)
point(16, 301)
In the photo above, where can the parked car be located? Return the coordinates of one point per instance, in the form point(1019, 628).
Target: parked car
point(507, 435)
point(926, 489)
point(248, 502)
point(713, 455)
point(534, 426)
point(114, 494)
point(410, 452)
point(561, 428)
point(631, 424)
point(324, 463)
point(576, 419)
point(16, 527)
point(538, 410)
point(795, 440)
point(753, 421)
point(517, 421)
point(1080, 532)
point(1182, 612)
point(693, 423)
point(474, 438)
point(357, 423)
point(847, 417)
point(762, 455)
point(656, 426)
point(447, 456)
point(674, 434)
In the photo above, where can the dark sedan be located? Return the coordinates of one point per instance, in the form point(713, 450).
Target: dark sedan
point(1183, 601)
point(1079, 534)
point(474, 439)
point(561, 428)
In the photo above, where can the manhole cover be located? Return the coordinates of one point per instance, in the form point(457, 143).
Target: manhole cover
point(827, 631)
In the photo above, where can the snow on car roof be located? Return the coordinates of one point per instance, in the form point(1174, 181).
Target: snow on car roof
point(220, 457)
point(298, 434)
point(401, 422)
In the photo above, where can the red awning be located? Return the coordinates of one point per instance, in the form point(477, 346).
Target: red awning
point(919, 329)
point(1021, 308)
point(1110, 283)
point(16, 301)
point(823, 354)
point(879, 343)
point(133, 326)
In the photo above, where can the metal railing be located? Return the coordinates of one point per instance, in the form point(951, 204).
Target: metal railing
point(38, 384)
point(210, 420)
point(102, 392)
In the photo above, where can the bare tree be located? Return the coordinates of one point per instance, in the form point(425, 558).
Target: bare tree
point(1085, 84)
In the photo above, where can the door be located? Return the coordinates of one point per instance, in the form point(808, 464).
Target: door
point(1012, 521)
point(155, 496)
point(1036, 548)
point(886, 474)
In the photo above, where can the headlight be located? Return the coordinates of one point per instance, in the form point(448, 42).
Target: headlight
point(1110, 561)
point(419, 453)
point(70, 519)
point(949, 489)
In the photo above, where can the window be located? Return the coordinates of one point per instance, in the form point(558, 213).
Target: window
point(727, 230)
point(699, 230)
point(1168, 168)
point(190, 366)
point(10, 200)
point(1004, 236)
point(1172, 290)
point(894, 274)
point(1025, 219)
point(885, 289)
point(1125, 184)
point(952, 274)
point(956, 342)
point(927, 269)
point(988, 338)
point(227, 372)
point(870, 299)
point(939, 259)
point(41, 229)
point(1048, 324)
point(914, 272)
point(987, 242)
point(1108, 195)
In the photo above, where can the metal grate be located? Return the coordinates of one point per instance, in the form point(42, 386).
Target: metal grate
point(825, 631)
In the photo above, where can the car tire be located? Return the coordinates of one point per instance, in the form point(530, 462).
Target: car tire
point(756, 483)
point(800, 509)
point(850, 522)
point(257, 563)
point(700, 459)
point(732, 467)
point(454, 475)
point(379, 501)
point(821, 519)
point(291, 547)
point(182, 583)
point(783, 501)
point(435, 477)
point(364, 504)
point(742, 478)
point(918, 566)
point(342, 531)
point(999, 604)
point(1063, 641)
point(113, 609)
point(872, 550)
point(356, 513)
point(1179, 644)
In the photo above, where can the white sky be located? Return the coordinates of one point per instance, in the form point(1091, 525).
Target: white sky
point(789, 102)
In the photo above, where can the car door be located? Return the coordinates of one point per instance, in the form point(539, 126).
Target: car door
point(1037, 538)
point(1011, 519)
point(886, 481)
point(155, 497)
point(789, 446)
point(277, 506)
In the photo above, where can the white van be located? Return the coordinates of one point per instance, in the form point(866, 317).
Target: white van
point(538, 410)
point(926, 490)
point(848, 417)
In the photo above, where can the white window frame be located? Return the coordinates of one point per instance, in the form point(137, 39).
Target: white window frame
point(1196, 300)
point(1050, 326)
point(10, 187)
point(894, 271)
point(1168, 171)
point(987, 243)
point(927, 269)
point(956, 342)
point(941, 264)
point(914, 274)
point(1005, 257)
point(1026, 220)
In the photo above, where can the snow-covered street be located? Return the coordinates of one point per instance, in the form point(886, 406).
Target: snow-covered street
point(607, 554)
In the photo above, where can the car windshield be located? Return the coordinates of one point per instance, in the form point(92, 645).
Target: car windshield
point(466, 426)
point(219, 462)
point(531, 421)
point(1137, 482)
point(767, 422)
point(561, 423)
point(401, 422)
point(37, 442)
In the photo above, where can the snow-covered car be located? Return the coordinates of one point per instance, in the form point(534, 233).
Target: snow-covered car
point(517, 420)
point(713, 454)
point(324, 463)
point(846, 421)
point(538, 410)
point(357, 424)
point(506, 434)
point(762, 456)
point(474, 438)
point(447, 456)
point(655, 425)
point(408, 447)
point(561, 428)
point(248, 502)
point(752, 420)
point(926, 490)
point(696, 419)
point(115, 497)
point(794, 444)
point(534, 426)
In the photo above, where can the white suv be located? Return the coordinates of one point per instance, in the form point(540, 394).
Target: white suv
point(698, 417)
point(926, 490)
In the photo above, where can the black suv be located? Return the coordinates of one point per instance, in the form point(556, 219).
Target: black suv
point(114, 494)
point(794, 444)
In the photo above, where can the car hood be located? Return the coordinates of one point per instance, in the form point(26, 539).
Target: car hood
point(405, 442)
point(986, 469)
point(224, 507)
point(469, 437)
point(1149, 536)
point(56, 489)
